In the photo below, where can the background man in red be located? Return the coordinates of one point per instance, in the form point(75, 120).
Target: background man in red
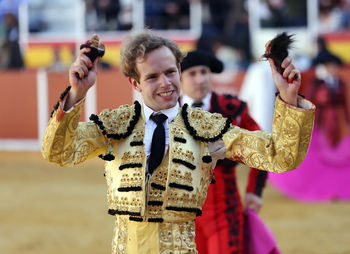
point(220, 228)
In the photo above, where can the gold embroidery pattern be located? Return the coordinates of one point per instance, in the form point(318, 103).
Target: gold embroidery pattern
point(204, 185)
point(166, 238)
point(117, 120)
point(124, 205)
point(181, 200)
point(154, 211)
point(155, 195)
point(305, 136)
point(73, 119)
point(109, 181)
point(255, 145)
point(55, 135)
point(135, 205)
point(73, 123)
point(121, 204)
point(160, 176)
point(178, 134)
point(119, 242)
point(132, 160)
point(88, 130)
point(184, 201)
point(187, 230)
point(295, 135)
point(281, 151)
point(177, 237)
point(207, 125)
point(138, 137)
point(134, 181)
point(181, 156)
point(62, 139)
point(177, 177)
point(83, 151)
point(291, 128)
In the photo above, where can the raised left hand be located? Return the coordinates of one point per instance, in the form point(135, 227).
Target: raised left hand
point(288, 84)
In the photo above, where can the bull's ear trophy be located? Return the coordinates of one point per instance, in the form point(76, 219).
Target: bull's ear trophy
point(97, 49)
point(277, 49)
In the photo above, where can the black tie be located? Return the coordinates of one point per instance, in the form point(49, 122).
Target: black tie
point(197, 104)
point(158, 143)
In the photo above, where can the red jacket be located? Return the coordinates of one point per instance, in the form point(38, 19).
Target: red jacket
point(220, 228)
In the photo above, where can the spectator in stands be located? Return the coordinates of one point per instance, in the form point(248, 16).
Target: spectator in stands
point(345, 7)
point(330, 17)
point(10, 6)
point(91, 19)
point(227, 54)
point(168, 14)
point(235, 30)
point(272, 13)
point(328, 92)
point(10, 46)
point(108, 11)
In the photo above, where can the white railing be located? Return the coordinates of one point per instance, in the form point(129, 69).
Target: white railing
point(78, 34)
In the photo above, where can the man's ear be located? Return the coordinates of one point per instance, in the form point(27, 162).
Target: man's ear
point(134, 84)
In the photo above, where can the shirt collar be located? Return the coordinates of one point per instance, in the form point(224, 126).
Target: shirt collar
point(170, 113)
point(206, 101)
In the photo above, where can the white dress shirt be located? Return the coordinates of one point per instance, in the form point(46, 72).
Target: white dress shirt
point(151, 125)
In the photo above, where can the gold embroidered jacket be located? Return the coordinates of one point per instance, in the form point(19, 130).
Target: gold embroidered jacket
point(175, 193)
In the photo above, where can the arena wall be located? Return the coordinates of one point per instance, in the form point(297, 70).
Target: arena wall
point(28, 98)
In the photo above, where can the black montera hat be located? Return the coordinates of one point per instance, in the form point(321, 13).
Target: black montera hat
point(326, 57)
point(201, 57)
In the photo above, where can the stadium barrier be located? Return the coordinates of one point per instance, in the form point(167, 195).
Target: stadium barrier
point(28, 97)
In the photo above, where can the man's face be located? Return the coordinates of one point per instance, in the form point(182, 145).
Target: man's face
point(159, 85)
point(332, 69)
point(196, 82)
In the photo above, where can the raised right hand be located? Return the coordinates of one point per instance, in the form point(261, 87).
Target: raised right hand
point(87, 78)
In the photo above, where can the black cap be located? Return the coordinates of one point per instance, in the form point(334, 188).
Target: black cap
point(201, 57)
point(326, 57)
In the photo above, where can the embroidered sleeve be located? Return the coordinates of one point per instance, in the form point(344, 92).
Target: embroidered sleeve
point(67, 142)
point(257, 178)
point(280, 151)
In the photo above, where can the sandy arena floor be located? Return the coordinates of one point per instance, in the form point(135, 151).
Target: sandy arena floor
point(48, 209)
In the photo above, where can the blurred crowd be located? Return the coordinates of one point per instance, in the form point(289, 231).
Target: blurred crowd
point(225, 23)
point(334, 15)
point(10, 54)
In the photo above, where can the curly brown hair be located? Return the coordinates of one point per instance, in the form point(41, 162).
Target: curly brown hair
point(137, 45)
